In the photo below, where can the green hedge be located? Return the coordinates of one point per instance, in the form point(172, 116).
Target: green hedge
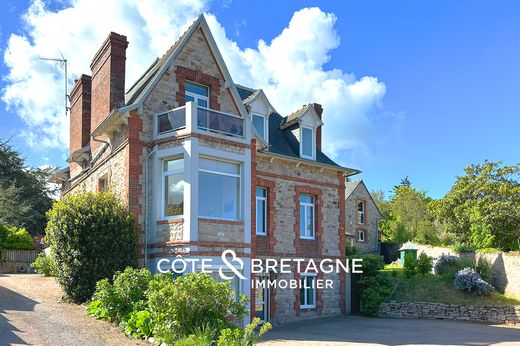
point(12, 238)
point(92, 236)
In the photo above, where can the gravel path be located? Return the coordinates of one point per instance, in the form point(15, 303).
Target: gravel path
point(32, 313)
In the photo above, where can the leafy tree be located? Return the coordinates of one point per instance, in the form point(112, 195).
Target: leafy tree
point(25, 195)
point(483, 206)
point(405, 182)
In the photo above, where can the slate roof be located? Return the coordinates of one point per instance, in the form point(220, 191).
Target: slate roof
point(350, 186)
point(292, 118)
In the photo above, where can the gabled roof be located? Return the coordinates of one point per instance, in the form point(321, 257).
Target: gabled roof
point(351, 185)
point(295, 117)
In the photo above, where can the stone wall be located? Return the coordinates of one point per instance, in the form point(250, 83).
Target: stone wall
point(484, 313)
point(505, 275)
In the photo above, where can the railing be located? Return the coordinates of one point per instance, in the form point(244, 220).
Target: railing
point(195, 118)
point(172, 120)
point(214, 121)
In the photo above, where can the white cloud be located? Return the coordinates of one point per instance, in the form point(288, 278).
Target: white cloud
point(290, 68)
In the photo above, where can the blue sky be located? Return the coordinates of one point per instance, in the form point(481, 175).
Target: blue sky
point(451, 70)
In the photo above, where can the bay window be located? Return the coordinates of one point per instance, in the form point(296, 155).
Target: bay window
point(307, 217)
point(219, 189)
point(173, 188)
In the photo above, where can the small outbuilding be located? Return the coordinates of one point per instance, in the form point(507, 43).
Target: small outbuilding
point(407, 248)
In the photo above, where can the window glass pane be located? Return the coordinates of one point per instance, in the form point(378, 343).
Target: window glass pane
point(196, 89)
point(188, 98)
point(202, 103)
point(306, 199)
point(302, 221)
point(219, 166)
point(361, 206)
point(218, 196)
point(261, 192)
point(307, 141)
point(173, 165)
point(259, 123)
point(174, 195)
point(302, 291)
point(310, 290)
point(310, 221)
point(260, 216)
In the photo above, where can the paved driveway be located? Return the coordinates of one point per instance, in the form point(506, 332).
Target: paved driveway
point(353, 330)
point(32, 313)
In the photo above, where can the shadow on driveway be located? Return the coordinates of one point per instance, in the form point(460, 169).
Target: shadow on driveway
point(363, 330)
point(12, 301)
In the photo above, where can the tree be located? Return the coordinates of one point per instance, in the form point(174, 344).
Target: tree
point(483, 206)
point(25, 195)
point(405, 182)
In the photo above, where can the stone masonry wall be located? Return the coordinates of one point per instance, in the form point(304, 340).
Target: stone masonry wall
point(372, 220)
point(505, 274)
point(484, 313)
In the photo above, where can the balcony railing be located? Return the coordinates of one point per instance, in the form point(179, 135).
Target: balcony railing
point(198, 119)
point(172, 120)
point(214, 121)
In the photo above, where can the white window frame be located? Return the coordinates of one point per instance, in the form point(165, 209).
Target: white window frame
point(164, 174)
point(306, 207)
point(260, 199)
point(313, 143)
point(361, 239)
point(265, 121)
point(239, 176)
point(305, 305)
point(197, 97)
point(361, 215)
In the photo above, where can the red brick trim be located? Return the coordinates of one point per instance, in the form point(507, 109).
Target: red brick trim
point(319, 296)
point(254, 178)
point(184, 74)
point(342, 240)
point(164, 222)
point(221, 222)
point(269, 241)
point(307, 247)
point(199, 243)
point(299, 180)
point(193, 253)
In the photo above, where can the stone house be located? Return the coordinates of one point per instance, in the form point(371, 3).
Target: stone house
point(208, 165)
point(362, 217)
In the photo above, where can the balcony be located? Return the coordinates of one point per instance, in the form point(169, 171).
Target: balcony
point(198, 119)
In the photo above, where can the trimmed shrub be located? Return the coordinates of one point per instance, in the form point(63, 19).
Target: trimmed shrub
point(115, 302)
point(12, 238)
point(374, 292)
point(410, 265)
point(44, 265)
point(189, 303)
point(424, 264)
point(463, 247)
point(468, 280)
point(484, 269)
point(371, 264)
point(92, 236)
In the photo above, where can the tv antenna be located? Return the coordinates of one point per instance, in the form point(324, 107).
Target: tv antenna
point(62, 64)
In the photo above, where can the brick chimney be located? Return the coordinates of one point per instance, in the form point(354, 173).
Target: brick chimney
point(108, 79)
point(80, 113)
point(319, 110)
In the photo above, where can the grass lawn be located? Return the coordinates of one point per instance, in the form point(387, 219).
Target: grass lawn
point(436, 289)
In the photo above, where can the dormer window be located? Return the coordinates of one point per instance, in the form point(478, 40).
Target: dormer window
point(260, 123)
point(307, 143)
point(196, 93)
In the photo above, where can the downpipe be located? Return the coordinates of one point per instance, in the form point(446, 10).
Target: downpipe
point(146, 184)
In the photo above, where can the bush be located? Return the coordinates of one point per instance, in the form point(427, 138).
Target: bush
point(12, 238)
point(448, 266)
point(410, 265)
point(371, 264)
point(44, 265)
point(92, 236)
point(468, 280)
point(191, 302)
point(375, 290)
point(424, 264)
point(484, 269)
point(463, 247)
point(243, 337)
point(115, 302)
point(139, 324)
point(351, 250)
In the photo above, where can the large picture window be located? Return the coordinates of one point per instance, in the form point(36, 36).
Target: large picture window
point(196, 93)
point(307, 217)
point(307, 290)
point(219, 189)
point(261, 211)
point(173, 188)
